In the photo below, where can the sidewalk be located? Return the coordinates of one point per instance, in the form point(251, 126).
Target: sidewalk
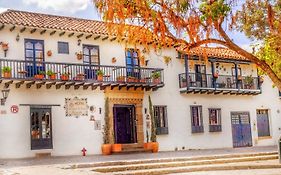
point(9, 163)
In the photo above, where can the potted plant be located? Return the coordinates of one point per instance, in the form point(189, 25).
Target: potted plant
point(106, 146)
point(153, 144)
point(239, 78)
point(40, 75)
point(131, 79)
point(156, 77)
point(6, 70)
point(5, 47)
point(120, 79)
point(216, 75)
point(99, 75)
point(249, 82)
point(64, 76)
point(79, 55)
point(51, 74)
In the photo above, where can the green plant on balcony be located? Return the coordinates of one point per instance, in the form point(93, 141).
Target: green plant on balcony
point(7, 71)
point(156, 77)
point(100, 75)
point(249, 82)
point(64, 76)
point(51, 74)
point(40, 75)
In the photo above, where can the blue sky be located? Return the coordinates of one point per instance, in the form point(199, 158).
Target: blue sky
point(81, 9)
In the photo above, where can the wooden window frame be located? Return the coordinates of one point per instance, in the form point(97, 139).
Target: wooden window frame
point(197, 128)
point(215, 127)
point(62, 42)
point(90, 60)
point(161, 130)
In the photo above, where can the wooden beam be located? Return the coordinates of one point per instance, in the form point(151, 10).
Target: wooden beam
point(113, 86)
point(12, 28)
point(43, 31)
point(121, 86)
point(2, 26)
point(28, 85)
point(67, 86)
point(49, 85)
point(97, 37)
point(129, 86)
point(89, 36)
point(19, 84)
point(52, 33)
point(39, 85)
point(112, 39)
point(58, 85)
point(22, 29)
point(94, 87)
point(79, 36)
point(103, 86)
point(32, 31)
point(71, 34)
point(105, 38)
point(7, 84)
point(86, 86)
point(77, 86)
point(62, 33)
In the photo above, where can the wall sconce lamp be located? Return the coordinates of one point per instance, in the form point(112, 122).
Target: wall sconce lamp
point(18, 37)
point(5, 94)
point(79, 42)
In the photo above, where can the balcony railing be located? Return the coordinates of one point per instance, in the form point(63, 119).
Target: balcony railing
point(222, 82)
point(51, 71)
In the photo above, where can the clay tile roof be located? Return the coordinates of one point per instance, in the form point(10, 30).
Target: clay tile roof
point(217, 52)
point(39, 20)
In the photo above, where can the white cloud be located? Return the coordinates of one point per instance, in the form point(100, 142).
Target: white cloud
point(2, 9)
point(71, 6)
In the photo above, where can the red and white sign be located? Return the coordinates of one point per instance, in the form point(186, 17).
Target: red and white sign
point(14, 109)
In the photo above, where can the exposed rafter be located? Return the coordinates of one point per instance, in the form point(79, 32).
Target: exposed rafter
point(105, 38)
point(114, 38)
point(32, 31)
point(89, 36)
point(52, 33)
point(12, 28)
point(80, 35)
point(71, 34)
point(62, 33)
point(43, 31)
point(22, 29)
point(97, 37)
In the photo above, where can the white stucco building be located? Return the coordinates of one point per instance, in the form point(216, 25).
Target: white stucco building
point(198, 104)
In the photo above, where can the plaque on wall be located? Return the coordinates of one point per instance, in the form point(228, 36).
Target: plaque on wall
point(76, 107)
point(97, 124)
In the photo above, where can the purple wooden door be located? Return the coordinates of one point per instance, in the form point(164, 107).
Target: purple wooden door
point(241, 129)
point(124, 124)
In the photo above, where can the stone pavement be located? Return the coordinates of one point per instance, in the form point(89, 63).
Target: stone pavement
point(10, 163)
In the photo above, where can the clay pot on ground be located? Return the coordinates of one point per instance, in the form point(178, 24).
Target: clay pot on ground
point(116, 148)
point(106, 149)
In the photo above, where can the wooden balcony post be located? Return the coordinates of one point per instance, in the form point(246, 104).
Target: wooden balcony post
point(213, 74)
point(186, 71)
point(236, 74)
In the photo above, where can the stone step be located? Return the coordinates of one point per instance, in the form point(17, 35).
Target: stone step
point(179, 170)
point(157, 165)
point(176, 159)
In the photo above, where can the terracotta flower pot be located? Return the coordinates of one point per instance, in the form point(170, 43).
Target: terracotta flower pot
point(156, 81)
point(121, 79)
point(116, 148)
point(100, 77)
point(7, 74)
point(52, 77)
point(106, 149)
point(155, 147)
point(64, 77)
point(39, 76)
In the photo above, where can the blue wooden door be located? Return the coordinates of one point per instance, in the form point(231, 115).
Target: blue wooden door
point(34, 56)
point(241, 129)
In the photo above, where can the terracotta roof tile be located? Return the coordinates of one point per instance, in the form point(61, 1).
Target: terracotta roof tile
point(218, 52)
point(47, 21)
point(39, 20)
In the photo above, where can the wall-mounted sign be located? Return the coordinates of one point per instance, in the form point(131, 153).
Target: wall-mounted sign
point(75, 107)
point(15, 109)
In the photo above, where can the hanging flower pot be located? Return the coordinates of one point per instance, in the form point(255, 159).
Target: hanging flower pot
point(79, 55)
point(5, 47)
point(49, 53)
point(216, 75)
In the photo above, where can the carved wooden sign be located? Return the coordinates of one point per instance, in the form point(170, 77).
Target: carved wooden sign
point(75, 107)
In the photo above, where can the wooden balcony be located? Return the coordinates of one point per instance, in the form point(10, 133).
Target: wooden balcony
point(223, 84)
point(50, 74)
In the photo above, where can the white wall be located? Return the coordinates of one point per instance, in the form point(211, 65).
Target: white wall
point(71, 134)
